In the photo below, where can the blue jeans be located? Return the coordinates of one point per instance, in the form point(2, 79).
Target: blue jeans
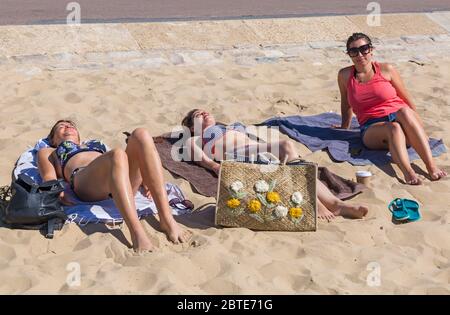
point(390, 118)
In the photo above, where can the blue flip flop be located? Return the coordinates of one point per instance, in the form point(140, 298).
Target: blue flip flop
point(412, 207)
point(399, 213)
point(404, 209)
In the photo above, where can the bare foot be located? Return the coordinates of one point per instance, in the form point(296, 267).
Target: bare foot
point(175, 233)
point(413, 179)
point(436, 174)
point(351, 211)
point(143, 244)
point(325, 214)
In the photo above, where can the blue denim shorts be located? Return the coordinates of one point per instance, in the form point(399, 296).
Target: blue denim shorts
point(390, 118)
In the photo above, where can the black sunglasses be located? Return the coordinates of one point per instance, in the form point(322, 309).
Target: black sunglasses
point(364, 50)
point(181, 204)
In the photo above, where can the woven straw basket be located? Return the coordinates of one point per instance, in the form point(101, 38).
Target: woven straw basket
point(267, 197)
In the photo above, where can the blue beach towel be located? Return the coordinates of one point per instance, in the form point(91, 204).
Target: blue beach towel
point(104, 211)
point(316, 133)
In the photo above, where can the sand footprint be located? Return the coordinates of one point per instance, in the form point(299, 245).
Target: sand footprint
point(83, 244)
point(72, 98)
point(7, 254)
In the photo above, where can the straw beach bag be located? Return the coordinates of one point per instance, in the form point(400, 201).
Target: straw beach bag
point(269, 197)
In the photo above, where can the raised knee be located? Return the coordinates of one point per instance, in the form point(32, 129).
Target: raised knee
point(119, 157)
point(395, 128)
point(141, 134)
point(405, 113)
point(287, 146)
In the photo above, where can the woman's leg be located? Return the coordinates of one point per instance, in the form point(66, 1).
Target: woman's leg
point(323, 212)
point(390, 135)
point(337, 206)
point(328, 205)
point(284, 150)
point(109, 174)
point(145, 167)
point(419, 140)
point(287, 150)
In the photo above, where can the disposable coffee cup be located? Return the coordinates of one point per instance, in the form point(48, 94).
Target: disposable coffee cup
point(363, 177)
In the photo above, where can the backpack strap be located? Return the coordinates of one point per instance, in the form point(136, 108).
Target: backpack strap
point(52, 226)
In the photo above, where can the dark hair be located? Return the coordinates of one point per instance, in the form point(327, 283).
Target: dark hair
point(356, 36)
point(188, 120)
point(53, 130)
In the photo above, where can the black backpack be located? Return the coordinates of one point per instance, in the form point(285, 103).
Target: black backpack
point(34, 206)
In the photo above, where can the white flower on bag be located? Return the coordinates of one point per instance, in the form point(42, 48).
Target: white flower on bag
point(261, 186)
point(236, 186)
point(297, 198)
point(281, 211)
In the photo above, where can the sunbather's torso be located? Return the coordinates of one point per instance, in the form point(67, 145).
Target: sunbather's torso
point(231, 142)
point(226, 142)
point(67, 159)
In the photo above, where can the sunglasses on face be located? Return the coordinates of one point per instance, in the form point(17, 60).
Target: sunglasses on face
point(181, 204)
point(364, 50)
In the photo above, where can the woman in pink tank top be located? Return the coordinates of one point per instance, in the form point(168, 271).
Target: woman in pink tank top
point(386, 114)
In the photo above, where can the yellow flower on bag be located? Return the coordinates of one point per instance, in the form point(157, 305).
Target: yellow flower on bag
point(233, 203)
point(254, 206)
point(273, 197)
point(296, 212)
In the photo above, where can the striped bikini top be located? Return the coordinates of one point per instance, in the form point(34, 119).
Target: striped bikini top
point(214, 133)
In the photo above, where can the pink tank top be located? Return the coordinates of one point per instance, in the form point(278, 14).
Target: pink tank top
point(373, 99)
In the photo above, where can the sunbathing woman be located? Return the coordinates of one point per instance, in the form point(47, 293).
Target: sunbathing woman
point(386, 113)
point(214, 145)
point(95, 174)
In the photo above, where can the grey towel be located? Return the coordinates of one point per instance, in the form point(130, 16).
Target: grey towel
point(343, 145)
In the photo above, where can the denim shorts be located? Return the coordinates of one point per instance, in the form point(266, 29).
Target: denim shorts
point(390, 118)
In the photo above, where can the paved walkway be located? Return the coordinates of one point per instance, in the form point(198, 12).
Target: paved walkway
point(54, 11)
point(401, 37)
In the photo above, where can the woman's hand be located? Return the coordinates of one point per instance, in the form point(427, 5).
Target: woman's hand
point(65, 200)
point(146, 192)
point(339, 127)
point(216, 168)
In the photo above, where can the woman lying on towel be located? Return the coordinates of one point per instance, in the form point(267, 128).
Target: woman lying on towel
point(386, 113)
point(95, 174)
point(214, 145)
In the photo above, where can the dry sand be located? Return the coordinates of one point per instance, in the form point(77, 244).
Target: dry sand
point(414, 257)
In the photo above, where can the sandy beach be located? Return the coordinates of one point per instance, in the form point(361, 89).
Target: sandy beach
point(105, 101)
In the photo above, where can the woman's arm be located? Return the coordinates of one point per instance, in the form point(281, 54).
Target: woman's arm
point(45, 164)
point(346, 110)
point(399, 86)
point(200, 157)
point(48, 172)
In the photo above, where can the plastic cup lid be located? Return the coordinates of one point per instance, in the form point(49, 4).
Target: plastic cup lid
point(363, 174)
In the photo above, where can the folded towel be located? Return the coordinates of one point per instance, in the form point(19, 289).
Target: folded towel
point(343, 145)
point(205, 182)
point(100, 211)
